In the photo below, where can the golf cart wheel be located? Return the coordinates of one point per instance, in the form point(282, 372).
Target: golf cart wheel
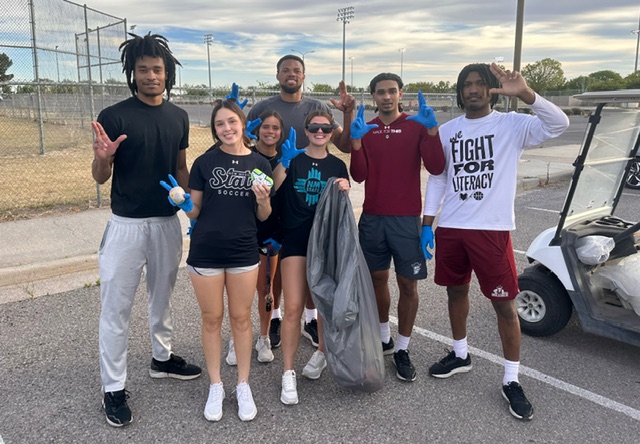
point(633, 178)
point(543, 305)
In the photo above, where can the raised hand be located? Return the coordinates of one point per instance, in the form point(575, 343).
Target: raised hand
point(359, 127)
point(103, 147)
point(235, 95)
point(251, 125)
point(177, 197)
point(346, 103)
point(512, 84)
point(426, 239)
point(289, 150)
point(426, 116)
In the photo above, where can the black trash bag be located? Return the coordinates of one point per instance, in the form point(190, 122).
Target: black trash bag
point(342, 290)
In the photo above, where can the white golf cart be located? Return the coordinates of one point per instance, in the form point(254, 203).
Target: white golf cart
point(590, 260)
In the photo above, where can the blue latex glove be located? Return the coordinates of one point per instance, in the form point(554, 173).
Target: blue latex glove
point(359, 127)
point(426, 116)
point(235, 95)
point(289, 150)
point(273, 246)
point(185, 206)
point(192, 223)
point(426, 239)
point(251, 125)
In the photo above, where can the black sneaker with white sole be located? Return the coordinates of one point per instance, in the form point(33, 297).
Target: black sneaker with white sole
point(450, 365)
point(116, 409)
point(405, 370)
point(274, 332)
point(519, 405)
point(175, 367)
point(388, 347)
point(310, 331)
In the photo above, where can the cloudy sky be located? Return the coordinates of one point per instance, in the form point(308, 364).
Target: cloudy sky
point(438, 38)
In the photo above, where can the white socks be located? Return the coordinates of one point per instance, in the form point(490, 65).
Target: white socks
point(275, 313)
point(511, 369)
point(310, 314)
point(385, 332)
point(402, 342)
point(460, 348)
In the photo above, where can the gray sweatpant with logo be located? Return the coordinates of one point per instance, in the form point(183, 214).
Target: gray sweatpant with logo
point(127, 246)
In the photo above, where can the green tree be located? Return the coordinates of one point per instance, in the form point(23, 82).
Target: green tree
point(580, 83)
point(196, 90)
point(5, 64)
point(605, 80)
point(632, 81)
point(322, 88)
point(544, 75)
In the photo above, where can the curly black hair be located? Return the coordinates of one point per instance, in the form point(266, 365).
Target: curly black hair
point(484, 71)
point(151, 45)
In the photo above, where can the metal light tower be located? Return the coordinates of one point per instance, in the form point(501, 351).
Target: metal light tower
point(57, 64)
point(345, 15)
point(352, 86)
point(208, 39)
point(302, 54)
point(637, 33)
point(401, 51)
point(517, 53)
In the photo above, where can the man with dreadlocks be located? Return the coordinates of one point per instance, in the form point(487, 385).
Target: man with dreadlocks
point(140, 140)
point(476, 193)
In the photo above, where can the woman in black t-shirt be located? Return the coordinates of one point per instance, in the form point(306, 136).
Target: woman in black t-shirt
point(223, 251)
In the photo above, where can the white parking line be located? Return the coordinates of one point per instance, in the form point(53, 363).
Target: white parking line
point(535, 374)
point(543, 209)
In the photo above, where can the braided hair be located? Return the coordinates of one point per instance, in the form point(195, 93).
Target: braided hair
point(484, 72)
point(151, 45)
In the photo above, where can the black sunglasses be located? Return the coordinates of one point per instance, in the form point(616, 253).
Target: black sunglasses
point(315, 127)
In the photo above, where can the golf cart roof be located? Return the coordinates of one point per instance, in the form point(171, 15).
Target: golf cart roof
point(621, 95)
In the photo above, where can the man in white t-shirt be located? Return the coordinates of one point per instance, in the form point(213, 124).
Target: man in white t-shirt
point(475, 195)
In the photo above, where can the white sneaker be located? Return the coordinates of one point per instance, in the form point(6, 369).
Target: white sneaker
point(314, 367)
point(246, 407)
point(289, 393)
point(231, 354)
point(263, 347)
point(213, 409)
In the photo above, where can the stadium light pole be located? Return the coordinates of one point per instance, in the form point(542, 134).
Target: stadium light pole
point(345, 15)
point(208, 39)
point(637, 33)
point(517, 52)
point(57, 64)
point(401, 51)
point(352, 87)
point(302, 54)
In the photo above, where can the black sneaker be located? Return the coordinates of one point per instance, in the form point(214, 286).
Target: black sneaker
point(404, 368)
point(116, 408)
point(175, 367)
point(450, 365)
point(519, 405)
point(274, 333)
point(310, 332)
point(388, 347)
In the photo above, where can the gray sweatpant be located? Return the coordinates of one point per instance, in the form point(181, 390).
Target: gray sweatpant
point(127, 246)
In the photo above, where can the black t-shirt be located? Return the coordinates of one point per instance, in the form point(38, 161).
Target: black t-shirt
point(155, 135)
point(305, 182)
point(225, 235)
point(271, 228)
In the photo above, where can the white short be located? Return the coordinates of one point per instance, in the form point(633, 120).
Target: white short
point(217, 271)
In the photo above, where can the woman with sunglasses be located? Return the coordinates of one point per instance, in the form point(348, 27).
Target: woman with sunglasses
point(301, 178)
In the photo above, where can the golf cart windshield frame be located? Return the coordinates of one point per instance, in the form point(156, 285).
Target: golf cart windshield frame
point(609, 147)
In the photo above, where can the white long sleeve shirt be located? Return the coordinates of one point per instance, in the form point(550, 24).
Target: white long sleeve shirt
point(478, 186)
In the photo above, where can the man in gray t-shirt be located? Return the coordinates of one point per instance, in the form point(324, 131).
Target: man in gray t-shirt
point(293, 107)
